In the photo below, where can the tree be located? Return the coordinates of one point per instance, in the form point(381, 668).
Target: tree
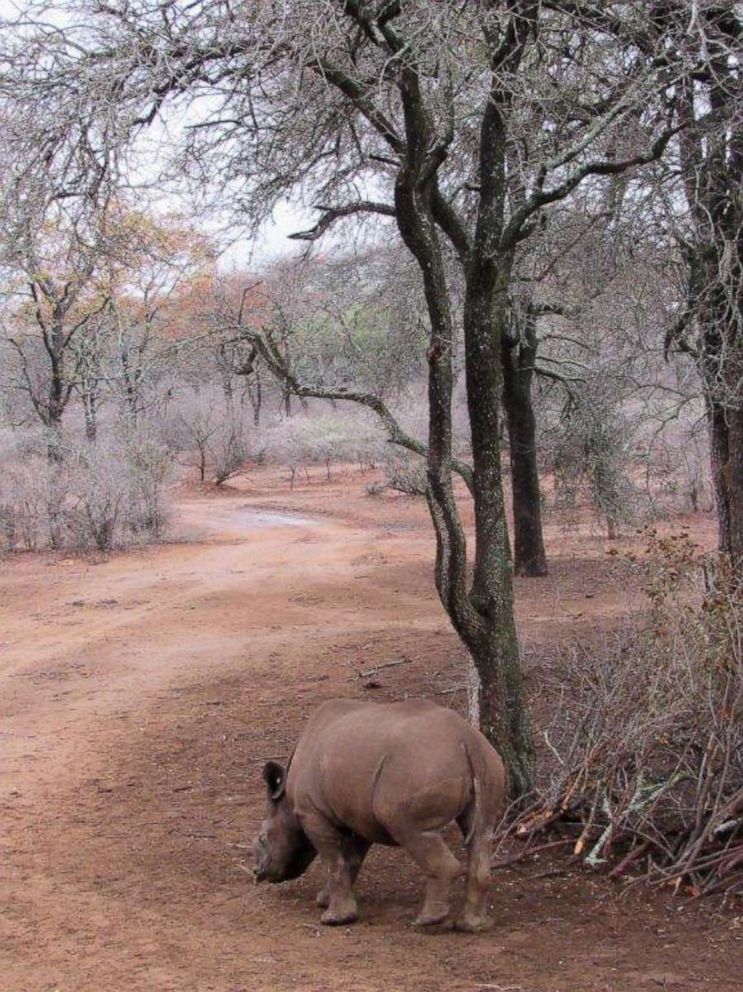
point(53, 257)
point(151, 305)
point(710, 237)
point(90, 302)
point(697, 204)
point(412, 111)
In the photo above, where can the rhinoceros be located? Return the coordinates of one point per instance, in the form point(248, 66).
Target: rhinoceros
point(384, 773)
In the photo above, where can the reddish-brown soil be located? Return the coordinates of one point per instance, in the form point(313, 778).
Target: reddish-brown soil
point(139, 696)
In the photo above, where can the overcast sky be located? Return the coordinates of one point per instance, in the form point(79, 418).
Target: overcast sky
point(272, 241)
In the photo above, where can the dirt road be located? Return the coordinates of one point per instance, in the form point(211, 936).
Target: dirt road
point(139, 696)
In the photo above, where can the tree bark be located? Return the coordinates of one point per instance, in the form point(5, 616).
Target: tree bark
point(726, 463)
point(493, 640)
point(57, 398)
point(518, 372)
point(734, 482)
point(712, 163)
point(255, 394)
point(90, 411)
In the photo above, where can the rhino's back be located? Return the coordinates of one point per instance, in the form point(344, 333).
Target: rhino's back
point(360, 764)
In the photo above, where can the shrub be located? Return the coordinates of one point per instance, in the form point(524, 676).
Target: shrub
point(98, 489)
point(589, 454)
point(213, 435)
point(406, 474)
point(351, 435)
point(229, 450)
point(33, 504)
point(149, 468)
point(648, 733)
point(102, 496)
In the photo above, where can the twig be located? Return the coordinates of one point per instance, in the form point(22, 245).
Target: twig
point(528, 852)
point(634, 855)
point(379, 668)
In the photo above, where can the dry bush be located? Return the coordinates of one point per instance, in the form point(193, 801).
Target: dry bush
point(214, 435)
point(647, 738)
point(676, 468)
point(102, 496)
point(350, 435)
point(589, 452)
point(33, 501)
point(149, 468)
point(406, 474)
point(229, 450)
point(98, 488)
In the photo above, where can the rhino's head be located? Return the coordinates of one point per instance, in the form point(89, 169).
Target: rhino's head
point(281, 849)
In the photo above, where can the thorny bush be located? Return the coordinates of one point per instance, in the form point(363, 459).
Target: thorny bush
point(647, 740)
point(100, 497)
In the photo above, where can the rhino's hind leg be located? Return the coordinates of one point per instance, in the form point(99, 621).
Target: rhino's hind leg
point(440, 867)
point(354, 850)
point(474, 916)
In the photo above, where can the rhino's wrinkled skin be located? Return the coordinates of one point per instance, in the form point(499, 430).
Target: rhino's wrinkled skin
point(392, 773)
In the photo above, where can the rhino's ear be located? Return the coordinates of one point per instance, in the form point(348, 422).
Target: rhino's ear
point(274, 776)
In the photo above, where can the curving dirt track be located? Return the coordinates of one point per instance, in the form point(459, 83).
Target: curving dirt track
point(139, 696)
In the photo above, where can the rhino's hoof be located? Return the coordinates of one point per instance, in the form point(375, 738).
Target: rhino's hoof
point(332, 918)
point(322, 899)
point(431, 919)
point(473, 924)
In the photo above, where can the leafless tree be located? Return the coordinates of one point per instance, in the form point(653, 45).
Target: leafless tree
point(417, 112)
point(709, 326)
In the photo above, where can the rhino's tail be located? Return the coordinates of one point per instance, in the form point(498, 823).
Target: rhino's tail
point(486, 805)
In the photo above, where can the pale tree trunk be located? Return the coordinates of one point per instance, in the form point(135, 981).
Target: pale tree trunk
point(89, 397)
point(255, 394)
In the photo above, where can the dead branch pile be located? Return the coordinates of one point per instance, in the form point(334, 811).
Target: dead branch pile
point(647, 739)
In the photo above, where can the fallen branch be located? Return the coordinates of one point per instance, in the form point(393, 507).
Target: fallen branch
point(634, 855)
point(379, 668)
point(515, 859)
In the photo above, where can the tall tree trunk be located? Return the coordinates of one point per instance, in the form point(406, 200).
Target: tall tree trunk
point(720, 364)
point(718, 457)
point(712, 164)
point(130, 379)
point(224, 365)
point(518, 364)
point(734, 483)
point(483, 616)
point(493, 640)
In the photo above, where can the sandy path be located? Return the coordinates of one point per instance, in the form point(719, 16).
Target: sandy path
point(138, 697)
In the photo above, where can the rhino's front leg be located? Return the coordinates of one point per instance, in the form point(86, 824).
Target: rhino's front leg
point(355, 850)
point(329, 844)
